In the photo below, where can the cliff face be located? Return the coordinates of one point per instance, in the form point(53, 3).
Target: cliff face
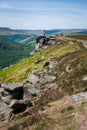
point(59, 72)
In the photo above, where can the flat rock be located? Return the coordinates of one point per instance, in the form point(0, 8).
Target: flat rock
point(32, 78)
point(12, 86)
point(78, 97)
point(45, 78)
point(33, 91)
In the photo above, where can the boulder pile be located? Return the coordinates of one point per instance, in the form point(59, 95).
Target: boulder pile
point(17, 97)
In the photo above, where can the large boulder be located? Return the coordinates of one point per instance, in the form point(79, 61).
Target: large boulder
point(11, 95)
point(12, 86)
point(78, 97)
point(9, 91)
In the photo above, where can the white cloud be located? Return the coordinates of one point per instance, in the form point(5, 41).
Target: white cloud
point(51, 7)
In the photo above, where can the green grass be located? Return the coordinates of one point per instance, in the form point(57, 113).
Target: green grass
point(19, 71)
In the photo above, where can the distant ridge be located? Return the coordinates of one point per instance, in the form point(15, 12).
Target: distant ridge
point(9, 31)
point(5, 29)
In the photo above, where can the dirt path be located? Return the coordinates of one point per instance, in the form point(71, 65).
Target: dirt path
point(84, 42)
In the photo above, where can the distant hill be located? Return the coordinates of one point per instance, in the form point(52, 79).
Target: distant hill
point(8, 31)
point(50, 32)
point(73, 31)
point(5, 29)
point(66, 31)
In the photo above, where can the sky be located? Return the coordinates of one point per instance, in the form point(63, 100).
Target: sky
point(43, 14)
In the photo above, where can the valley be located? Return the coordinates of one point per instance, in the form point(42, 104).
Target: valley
point(23, 42)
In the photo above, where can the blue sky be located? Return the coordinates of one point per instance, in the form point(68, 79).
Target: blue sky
point(43, 14)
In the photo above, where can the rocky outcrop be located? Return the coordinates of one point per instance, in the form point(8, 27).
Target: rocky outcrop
point(40, 77)
point(11, 91)
point(16, 97)
point(8, 93)
point(43, 41)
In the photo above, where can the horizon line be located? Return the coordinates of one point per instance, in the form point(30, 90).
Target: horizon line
point(43, 29)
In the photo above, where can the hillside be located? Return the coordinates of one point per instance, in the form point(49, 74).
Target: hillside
point(20, 71)
point(11, 53)
point(18, 38)
point(53, 88)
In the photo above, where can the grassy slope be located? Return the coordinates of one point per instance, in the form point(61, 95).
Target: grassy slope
point(61, 115)
point(19, 72)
